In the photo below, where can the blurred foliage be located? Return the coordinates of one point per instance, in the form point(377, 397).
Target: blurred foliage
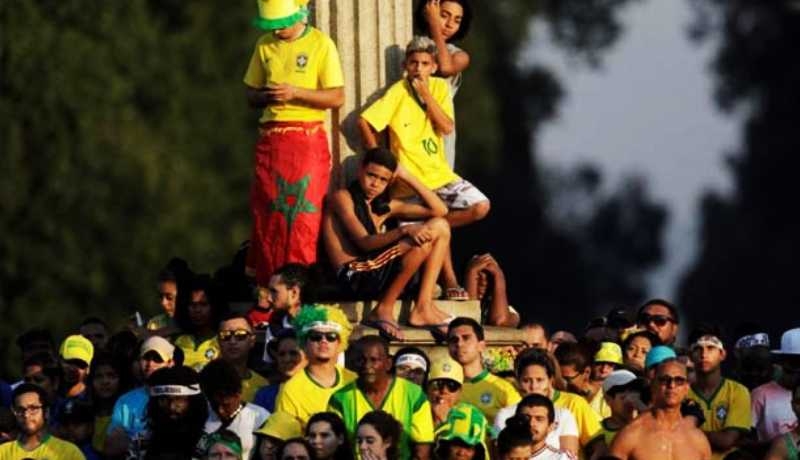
point(126, 140)
point(751, 239)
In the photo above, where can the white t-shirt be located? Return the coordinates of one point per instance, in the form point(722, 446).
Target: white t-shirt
point(248, 420)
point(771, 409)
point(564, 424)
point(551, 453)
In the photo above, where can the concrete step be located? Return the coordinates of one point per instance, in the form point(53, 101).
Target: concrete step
point(356, 311)
point(494, 336)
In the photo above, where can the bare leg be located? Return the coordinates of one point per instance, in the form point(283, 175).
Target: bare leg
point(425, 311)
point(448, 276)
point(474, 213)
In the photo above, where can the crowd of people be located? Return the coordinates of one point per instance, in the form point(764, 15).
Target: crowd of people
point(283, 379)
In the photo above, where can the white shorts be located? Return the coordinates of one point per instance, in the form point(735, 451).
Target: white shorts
point(460, 194)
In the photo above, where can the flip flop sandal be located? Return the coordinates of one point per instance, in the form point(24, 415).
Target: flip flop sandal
point(456, 293)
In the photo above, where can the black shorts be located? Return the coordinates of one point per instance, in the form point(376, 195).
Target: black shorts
point(367, 285)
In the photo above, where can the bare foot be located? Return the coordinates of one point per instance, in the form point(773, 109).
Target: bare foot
point(428, 315)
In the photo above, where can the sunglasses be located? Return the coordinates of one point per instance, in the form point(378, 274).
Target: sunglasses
point(440, 384)
point(658, 320)
point(238, 335)
point(668, 380)
point(329, 337)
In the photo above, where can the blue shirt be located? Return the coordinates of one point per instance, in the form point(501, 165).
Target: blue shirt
point(5, 394)
point(130, 412)
point(265, 397)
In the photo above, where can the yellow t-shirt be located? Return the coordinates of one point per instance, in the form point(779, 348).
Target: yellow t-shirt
point(197, 355)
point(419, 148)
point(101, 423)
point(303, 397)
point(311, 61)
point(51, 448)
point(489, 393)
point(585, 417)
point(599, 404)
point(251, 385)
point(727, 409)
point(404, 400)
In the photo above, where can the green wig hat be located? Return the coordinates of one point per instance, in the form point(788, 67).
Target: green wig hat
point(322, 318)
point(467, 424)
point(279, 14)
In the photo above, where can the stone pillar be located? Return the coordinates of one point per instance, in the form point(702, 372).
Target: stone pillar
point(370, 36)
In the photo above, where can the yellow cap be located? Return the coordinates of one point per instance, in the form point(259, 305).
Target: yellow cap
point(77, 347)
point(278, 14)
point(445, 367)
point(281, 425)
point(609, 352)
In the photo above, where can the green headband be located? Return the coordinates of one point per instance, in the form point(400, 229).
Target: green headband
point(281, 23)
point(231, 444)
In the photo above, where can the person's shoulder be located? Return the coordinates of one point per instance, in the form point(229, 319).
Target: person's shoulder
point(134, 396)
point(347, 375)
point(299, 379)
point(735, 389)
point(257, 411)
point(64, 447)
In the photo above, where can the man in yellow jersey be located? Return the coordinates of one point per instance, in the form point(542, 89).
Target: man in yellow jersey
point(323, 333)
point(294, 76)
point(576, 427)
point(418, 112)
point(34, 441)
point(725, 403)
point(377, 389)
point(236, 339)
point(482, 389)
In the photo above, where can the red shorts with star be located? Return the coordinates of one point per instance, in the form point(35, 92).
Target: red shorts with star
point(292, 171)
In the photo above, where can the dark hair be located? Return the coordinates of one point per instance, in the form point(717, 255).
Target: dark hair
point(573, 354)
point(124, 347)
point(231, 315)
point(220, 377)
point(343, 452)
point(537, 400)
point(534, 325)
point(93, 320)
point(704, 329)
point(517, 433)
point(534, 357)
point(672, 310)
point(34, 335)
point(205, 284)
point(464, 321)
point(652, 338)
point(303, 442)
point(422, 25)
point(23, 388)
point(105, 358)
point(374, 341)
point(386, 426)
point(166, 276)
point(275, 343)
point(380, 156)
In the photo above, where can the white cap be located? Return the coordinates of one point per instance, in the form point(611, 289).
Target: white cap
point(790, 343)
point(618, 378)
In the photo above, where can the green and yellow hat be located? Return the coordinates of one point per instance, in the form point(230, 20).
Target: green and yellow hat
point(278, 14)
point(466, 423)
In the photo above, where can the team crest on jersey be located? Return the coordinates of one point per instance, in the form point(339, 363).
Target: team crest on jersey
point(446, 367)
point(721, 413)
point(301, 61)
point(486, 398)
point(210, 354)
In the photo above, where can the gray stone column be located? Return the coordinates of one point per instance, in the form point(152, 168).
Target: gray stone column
point(370, 36)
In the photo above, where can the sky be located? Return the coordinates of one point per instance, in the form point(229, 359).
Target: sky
point(648, 110)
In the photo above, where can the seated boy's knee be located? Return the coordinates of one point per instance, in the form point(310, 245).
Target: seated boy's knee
point(440, 226)
point(481, 209)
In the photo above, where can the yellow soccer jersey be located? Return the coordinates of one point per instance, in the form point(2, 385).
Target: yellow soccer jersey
point(310, 62)
point(51, 448)
point(599, 404)
point(585, 417)
point(404, 400)
point(303, 397)
point(489, 393)
point(419, 148)
point(727, 409)
point(251, 385)
point(197, 355)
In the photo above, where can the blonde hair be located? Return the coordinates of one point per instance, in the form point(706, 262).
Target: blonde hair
point(421, 44)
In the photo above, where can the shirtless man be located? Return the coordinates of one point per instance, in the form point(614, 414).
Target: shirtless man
point(662, 433)
point(376, 258)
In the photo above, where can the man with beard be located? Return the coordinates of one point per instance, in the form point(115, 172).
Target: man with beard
point(662, 433)
point(34, 441)
point(176, 414)
point(377, 389)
